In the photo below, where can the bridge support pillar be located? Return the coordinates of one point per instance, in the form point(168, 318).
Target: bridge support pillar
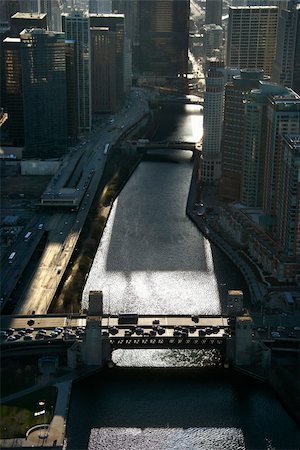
point(92, 346)
point(243, 341)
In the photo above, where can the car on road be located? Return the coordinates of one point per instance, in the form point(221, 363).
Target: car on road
point(161, 330)
point(39, 336)
point(28, 337)
point(275, 334)
point(21, 332)
point(9, 330)
point(113, 330)
point(11, 338)
point(139, 330)
point(42, 331)
point(58, 329)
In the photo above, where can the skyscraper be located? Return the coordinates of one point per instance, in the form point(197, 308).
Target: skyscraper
point(286, 68)
point(251, 37)
point(107, 61)
point(283, 116)
point(76, 26)
point(44, 92)
point(233, 132)
point(212, 39)
point(288, 211)
point(163, 40)
point(254, 146)
point(130, 9)
point(71, 89)
point(213, 12)
point(13, 88)
point(212, 121)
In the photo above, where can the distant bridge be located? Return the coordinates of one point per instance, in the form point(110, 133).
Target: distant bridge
point(186, 100)
point(177, 145)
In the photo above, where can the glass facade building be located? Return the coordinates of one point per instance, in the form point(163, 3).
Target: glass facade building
point(76, 26)
point(44, 93)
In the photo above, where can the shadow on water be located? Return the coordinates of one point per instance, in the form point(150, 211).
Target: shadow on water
point(154, 234)
point(179, 399)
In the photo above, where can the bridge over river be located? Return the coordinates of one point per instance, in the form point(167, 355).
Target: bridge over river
point(46, 334)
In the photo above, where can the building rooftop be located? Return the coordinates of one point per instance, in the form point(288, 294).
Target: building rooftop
point(253, 7)
point(25, 15)
point(116, 15)
point(12, 39)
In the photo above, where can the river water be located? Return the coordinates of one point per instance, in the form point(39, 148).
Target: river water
point(151, 259)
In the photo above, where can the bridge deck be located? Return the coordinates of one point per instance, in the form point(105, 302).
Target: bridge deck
point(52, 321)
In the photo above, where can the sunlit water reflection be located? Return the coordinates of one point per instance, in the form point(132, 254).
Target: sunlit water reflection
point(151, 259)
point(167, 439)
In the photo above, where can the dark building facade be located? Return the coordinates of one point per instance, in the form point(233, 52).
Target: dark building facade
point(213, 12)
point(104, 70)
point(13, 89)
point(76, 26)
point(234, 131)
point(286, 67)
point(107, 61)
point(130, 9)
point(71, 90)
point(44, 93)
point(163, 38)
point(7, 9)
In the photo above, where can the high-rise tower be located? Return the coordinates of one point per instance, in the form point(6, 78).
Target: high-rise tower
point(13, 88)
point(76, 26)
point(251, 37)
point(233, 132)
point(286, 68)
point(212, 122)
point(283, 116)
point(44, 92)
point(288, 212)
point(254, 147)
point(163, 41)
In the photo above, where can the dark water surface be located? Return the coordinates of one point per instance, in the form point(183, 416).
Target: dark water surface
point(176, 409)
point(153, 260)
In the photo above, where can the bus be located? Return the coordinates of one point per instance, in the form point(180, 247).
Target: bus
point(106, 148)
point(27, 235)
point(128, 318)
point(11, 257)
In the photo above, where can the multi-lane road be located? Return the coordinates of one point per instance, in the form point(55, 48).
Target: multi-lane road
point(64, 226)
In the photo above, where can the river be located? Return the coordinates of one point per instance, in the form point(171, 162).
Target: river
point(153, 260)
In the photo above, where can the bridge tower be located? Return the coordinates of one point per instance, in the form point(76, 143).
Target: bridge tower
point(92, 344)
point(243, 341)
